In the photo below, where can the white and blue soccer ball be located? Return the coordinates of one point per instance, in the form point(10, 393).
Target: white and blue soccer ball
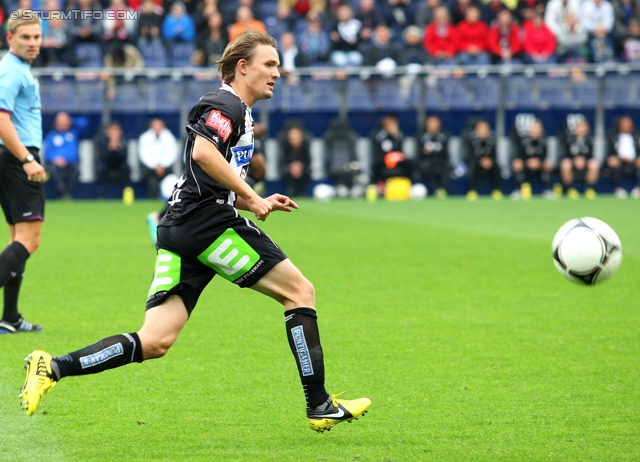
point(586, 251)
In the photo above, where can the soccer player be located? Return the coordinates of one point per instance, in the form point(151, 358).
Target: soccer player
point(21, 174)
point(483, 160)
point(202, 234)
point(531, 163)
point(577, 157)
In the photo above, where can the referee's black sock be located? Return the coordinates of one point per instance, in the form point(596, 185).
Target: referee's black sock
point(12, 262)
point(304, 340)
point(108, 353)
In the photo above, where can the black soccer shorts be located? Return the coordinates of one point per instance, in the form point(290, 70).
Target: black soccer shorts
point(21, 199)
point(215, 239)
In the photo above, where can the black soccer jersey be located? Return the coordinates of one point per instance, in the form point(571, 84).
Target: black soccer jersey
point(225, 120)
point(579, 147)
point(481, 147)
point(530, 147)
point(437, 144)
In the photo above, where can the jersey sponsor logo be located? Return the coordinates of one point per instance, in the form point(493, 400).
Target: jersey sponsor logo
point(303, 351)
point(167, 272)
point(220, 123)
point(101, 356)
point(242, 154)
point(230, 256)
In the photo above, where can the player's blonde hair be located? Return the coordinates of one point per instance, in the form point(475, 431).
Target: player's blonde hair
point(242, 47)
point(22, 17)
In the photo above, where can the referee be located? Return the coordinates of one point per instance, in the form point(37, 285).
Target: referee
point(21, 175)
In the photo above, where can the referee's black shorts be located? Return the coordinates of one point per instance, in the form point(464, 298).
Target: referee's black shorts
point(21, 199)
point(215, 239)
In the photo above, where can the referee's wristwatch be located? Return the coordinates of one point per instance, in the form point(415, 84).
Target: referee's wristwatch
point(30, 158)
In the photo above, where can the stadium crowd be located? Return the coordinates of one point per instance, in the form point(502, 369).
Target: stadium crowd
point(381, 33)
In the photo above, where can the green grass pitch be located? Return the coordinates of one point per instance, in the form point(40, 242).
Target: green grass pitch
point(449, 315)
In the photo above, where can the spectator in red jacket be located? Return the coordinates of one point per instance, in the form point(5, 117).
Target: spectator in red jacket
point(539, 42)
point(472, 36)
point(441, 38)
point(504, 39)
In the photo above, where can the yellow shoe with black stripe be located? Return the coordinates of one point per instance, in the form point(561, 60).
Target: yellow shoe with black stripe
point(339, 410)
point(39, 380)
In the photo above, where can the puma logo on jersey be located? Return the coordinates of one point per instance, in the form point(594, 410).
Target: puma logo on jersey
point(242, 154)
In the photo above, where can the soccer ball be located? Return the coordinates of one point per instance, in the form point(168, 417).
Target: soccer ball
point(586, 251)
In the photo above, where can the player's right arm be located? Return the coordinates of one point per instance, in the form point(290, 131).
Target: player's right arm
point(9, 136)
point(215, 165)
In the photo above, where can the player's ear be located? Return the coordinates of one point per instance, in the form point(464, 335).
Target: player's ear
point(242, 66)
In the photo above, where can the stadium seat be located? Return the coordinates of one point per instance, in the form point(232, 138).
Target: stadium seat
point(180, 54)
point(197, 88)
point(154, 55)
point(323, 95)
point(360, 95)
point(267, 9)
point(163, 95)
point(621, 91)
point(88, 54)
point(521, 92)
point(89, 95)
point(128, 98)
point(57, 95)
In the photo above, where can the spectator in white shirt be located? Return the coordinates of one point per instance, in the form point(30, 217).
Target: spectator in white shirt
point(556, 12)
point(595, 13)
point(158, 152)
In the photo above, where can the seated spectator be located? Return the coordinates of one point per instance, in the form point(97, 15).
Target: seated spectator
point(119, 26)
point(504, 39)
point(178, 25)
point(124, 56)
point(441, 38)
point(458, 11)
point(572, 41)
point(624, 12)
point(577, 159)
point(424, 15)
point(412, 53)
point(158, 152)
point(61, 152)
point(288, 53)
point(295, 160)
point(490, 10)
point(483, 160)
point(206, 9)
point(55, 41)
point(291, 11)
point(472, 34)
point(85, 26)
point(230, 12)
point(149, 24)
point(314, 43)
point(601, 47)
point(382, 54)
point(433, 165)
point(211, 45)
point(370, 17)
point(531, 162)
point(556, 13)
point(111, 158)
point(245, 21)
point(623, 156)
point(398, 14)
point(597, 13)
point(387, 157)
point(539, 43)
point(345, 39)
point(526, 9)
point(631, 43)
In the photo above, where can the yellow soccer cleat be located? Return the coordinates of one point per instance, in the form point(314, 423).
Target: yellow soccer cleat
point(590, 193)
point(572, 193)
point(340, 410)
point(472, 195)
point(441, 193)
point(39, 380)
point(496, 195)
point(525, 189)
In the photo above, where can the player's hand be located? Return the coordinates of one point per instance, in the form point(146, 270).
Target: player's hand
point(281, 203)
point(35, 172)
point(259, 206)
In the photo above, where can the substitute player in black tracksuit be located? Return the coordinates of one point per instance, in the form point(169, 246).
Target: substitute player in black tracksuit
point(202, 234)
point(483, 159)
point(531, 162)
point(577, 158)
point(432, 163)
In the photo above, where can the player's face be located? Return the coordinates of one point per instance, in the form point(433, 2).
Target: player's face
point(25, 41)
point(262, 73)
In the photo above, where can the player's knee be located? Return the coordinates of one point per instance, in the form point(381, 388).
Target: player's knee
point(305, 293)
point(156, 347)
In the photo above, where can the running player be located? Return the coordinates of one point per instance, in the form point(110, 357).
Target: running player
point(21, 175)
point(202, 234)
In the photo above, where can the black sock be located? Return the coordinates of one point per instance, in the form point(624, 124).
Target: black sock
point(108, 353)
point(12, 261)
point(304, 340)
